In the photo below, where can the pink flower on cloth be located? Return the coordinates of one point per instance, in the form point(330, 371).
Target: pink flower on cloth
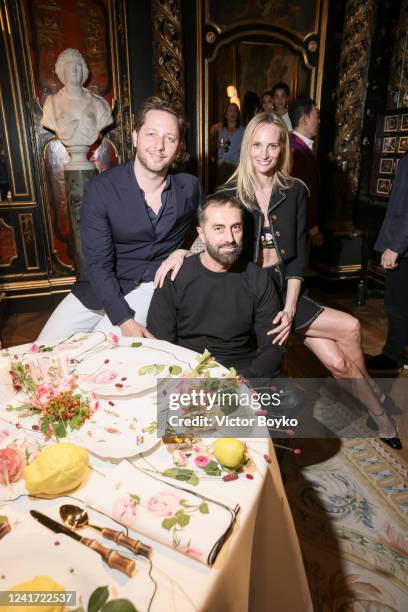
point(12, 463)
point(202, 460)
point(199, 449)
point(124, 509)
point(191, 552)
point(113, 338)
point(44, 393)
point(163, 504)
point(105, 377)
point(180, 458)
point(34, 348)
point(395, 539)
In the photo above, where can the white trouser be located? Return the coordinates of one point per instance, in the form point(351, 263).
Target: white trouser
point(72, 316)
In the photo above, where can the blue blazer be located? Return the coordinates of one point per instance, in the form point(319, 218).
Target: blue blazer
point(119, 242)
point(394, 230)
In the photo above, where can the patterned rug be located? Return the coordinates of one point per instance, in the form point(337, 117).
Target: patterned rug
point(350, 506)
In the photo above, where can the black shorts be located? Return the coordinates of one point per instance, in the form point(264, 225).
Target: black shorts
point(307, 310)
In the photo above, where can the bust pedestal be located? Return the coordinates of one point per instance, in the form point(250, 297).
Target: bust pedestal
point(77, 172)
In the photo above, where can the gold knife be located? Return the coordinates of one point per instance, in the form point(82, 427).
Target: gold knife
point(113, 558)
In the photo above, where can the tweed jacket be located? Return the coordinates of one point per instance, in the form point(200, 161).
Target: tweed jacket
point(287, 220)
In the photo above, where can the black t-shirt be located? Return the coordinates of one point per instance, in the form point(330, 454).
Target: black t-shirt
point(227, 313)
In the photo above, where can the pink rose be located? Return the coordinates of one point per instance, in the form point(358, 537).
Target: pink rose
point(45, 393)
point(113, 338)
point(12, 463)
point(34, 348)
point(180, 458)
point(191, 552)
point(202, 460)
point(124, 510)
point(199, 449)
point(105, 377)
point(163, 504)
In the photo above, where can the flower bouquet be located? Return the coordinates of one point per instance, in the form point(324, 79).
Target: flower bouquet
point(50, 390)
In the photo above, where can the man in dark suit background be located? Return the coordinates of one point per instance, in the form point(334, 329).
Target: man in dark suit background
point(305, 121)
point(392, 242)
point(134, 221)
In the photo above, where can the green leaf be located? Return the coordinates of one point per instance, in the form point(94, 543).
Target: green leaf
point(3, 518)
point(204, 508)
point(175, 370)
point(136, 344)
point(9, 407)
point(168, 523)
point(182, 518)
point(170, 472)
point(119, 605)
point(212, 469)
point(60, 430)
point(185, 504)
point(153, 368)
point(98, 598)
point(150, 428)
point(193, 480)
point(135, 498)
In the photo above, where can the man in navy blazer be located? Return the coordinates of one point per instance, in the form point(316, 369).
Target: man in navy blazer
point(134, 221)
point(392, 242)
point(305, 120)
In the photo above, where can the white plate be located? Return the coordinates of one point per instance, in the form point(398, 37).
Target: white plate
point(115, 372)
point(70, 564)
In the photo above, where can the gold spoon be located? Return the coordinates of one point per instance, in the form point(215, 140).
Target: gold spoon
point(75, 517)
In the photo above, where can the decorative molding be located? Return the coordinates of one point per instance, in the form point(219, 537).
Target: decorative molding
point(352, 87)
point(8, 246)
point(168, 50)
point(398, 83)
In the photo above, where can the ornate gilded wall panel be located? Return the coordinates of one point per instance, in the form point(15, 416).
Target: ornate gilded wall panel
point(8, 246)
point(297, 15)
point(398, 83)
point(29, 241)
point(168, 50)
point(15, 141)
point(352, 86)
point(33, 33)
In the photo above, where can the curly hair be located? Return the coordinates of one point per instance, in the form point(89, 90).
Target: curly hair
point(71, 55)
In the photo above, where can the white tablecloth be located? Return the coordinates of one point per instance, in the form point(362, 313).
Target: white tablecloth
point(259, 568)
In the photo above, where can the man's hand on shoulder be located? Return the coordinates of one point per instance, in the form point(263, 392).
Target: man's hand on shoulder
point(133, 328)
point(173, 263)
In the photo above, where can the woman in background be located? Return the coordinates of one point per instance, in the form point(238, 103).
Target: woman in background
point(229, 142)
point(275, 238)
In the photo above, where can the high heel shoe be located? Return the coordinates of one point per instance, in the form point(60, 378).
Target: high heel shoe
point(394, 443)
point(392, 440)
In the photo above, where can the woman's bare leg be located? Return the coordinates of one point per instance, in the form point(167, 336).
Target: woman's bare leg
point(342, 367)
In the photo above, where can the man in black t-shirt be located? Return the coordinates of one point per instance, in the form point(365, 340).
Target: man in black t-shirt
point(219, 301)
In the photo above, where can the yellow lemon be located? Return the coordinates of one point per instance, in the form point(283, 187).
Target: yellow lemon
point(230, 452)
point(57, 469)
point(39, 583)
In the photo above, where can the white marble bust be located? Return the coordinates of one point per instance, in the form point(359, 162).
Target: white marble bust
point(75, 114)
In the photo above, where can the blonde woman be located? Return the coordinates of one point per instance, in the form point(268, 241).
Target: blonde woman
point(275, 228)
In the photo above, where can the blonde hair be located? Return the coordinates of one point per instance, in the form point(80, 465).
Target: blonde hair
point(244, 177)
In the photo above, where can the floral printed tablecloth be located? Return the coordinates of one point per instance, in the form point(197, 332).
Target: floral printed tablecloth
point(259, 567)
